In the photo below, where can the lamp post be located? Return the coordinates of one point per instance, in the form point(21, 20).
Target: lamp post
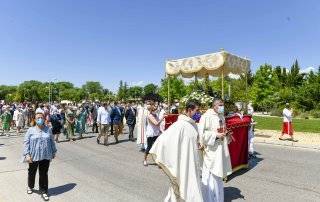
point(50, 90)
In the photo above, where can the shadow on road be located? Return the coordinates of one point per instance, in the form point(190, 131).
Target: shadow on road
point(3, 158)
point(61, 189)
point(1, 145)
point(120, 141)
point(85, 137)
point(232, 193)
point(252, 163)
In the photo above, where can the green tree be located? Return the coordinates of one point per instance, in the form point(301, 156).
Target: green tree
point(308, 95)
point(265, 88)
point(295, 78)
point(92, 89)
point(150, 89)
point(5, 90)
point(135, 92)
point(32, 91)
point(177, 88)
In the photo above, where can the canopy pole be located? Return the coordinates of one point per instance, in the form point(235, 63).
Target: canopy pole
point(222, 84)
point(247, 100)
point(196, 82)
point(168, 76)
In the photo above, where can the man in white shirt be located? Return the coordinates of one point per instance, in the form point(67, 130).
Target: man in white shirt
point(103, 120)
point(216, 157)
point(287, 130)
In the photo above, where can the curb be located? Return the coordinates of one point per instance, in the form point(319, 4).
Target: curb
point(289, 144)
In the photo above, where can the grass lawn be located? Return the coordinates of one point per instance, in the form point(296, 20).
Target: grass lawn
point(299, 125)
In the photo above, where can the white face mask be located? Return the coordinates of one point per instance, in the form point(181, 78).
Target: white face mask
point(220, 109)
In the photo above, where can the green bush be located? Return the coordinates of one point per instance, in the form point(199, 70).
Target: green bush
point(303, 115)
point(276, 112)
point(315, 113)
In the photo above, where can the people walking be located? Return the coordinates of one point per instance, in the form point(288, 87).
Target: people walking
point(216, 159)
point(116, 117)
point(70, 123)
point(152, 130)
point(94, 116)
point(176, 152)
point(130, 115)
point(287, 126)
point(104, 121)
point(81, 121)
point(6, 119)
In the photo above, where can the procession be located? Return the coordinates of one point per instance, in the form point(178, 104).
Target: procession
point(146, 122)
point(174, 101)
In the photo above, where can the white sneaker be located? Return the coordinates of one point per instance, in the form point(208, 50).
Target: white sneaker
point(145, 163)
point(45, 197)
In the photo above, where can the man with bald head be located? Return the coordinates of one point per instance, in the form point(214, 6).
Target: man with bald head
point(216, 158)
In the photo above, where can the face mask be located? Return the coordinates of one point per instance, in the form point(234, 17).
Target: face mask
point(40, 121)
point(220, 109)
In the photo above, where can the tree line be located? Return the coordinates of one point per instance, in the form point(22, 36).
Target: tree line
point(269, 89)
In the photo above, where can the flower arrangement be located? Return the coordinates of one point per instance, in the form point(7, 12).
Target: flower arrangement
point(199, 96)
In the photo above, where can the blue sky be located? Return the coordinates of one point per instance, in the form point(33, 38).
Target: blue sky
point(129, 40)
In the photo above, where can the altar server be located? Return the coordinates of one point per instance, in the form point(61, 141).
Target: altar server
point(287, 128)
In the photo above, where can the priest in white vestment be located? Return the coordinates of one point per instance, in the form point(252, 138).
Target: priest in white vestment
point(141, 126)
point(176, 152)
point(216, 157)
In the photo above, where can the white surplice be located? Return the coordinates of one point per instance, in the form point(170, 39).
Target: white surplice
point(175, 151)
point(216, 157)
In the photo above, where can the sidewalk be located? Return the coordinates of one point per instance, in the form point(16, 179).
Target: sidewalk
point(305, 140)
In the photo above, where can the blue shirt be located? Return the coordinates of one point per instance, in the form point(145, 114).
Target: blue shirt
point(39, 144)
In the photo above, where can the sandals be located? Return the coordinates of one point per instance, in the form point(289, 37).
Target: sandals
point(45, 197)
point(29, 191)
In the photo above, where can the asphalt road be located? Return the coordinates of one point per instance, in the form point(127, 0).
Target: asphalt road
point(85, 171)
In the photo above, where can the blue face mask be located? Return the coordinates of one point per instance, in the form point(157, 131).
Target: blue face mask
point(40, 121)
point(221, 110)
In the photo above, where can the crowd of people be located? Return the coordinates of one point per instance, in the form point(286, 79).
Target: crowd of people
point(194, 149)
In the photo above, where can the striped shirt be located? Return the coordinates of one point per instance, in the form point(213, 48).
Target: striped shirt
point(39, 144)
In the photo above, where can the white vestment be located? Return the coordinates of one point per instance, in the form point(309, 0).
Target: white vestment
point(175, 151)
point(141, 126)
point(251, 130)
point(19, 119)
point(15, 115)
point(216, 157)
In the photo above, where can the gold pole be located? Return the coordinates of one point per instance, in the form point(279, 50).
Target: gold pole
point(168, 76)
point(222, 85)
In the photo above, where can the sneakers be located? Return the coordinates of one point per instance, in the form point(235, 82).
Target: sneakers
point(29, 191)
point(145, 163)
point(45, 197)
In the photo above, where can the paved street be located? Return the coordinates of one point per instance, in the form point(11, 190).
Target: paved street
point(85, 171)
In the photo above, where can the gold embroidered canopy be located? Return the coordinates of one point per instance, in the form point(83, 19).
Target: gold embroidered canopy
point(214, 64)
point(217, 64)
